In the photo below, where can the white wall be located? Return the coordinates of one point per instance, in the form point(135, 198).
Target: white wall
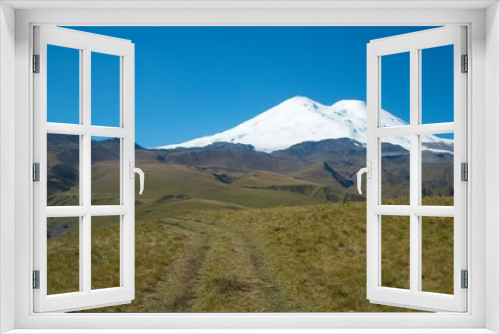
point(7, 163)
point(492, 150)
point(280, 17)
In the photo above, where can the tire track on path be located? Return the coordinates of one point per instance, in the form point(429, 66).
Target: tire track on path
point(175, 292)
point(221, 269)
point(235, 277)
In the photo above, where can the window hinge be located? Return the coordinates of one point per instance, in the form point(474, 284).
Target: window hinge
point(465, 279)
point(36, 172)
point(464, 171)
point(465, 64)
point(36, 279)
point(36, 63)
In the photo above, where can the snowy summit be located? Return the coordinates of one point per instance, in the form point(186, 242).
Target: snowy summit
point(301, 119)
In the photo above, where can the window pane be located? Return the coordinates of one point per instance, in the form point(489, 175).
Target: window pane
point(437, 85)
point(396, 251)
point(437, 254)
point(105, 252)
point(395, 89)
point(395, 170)
point(63, 166)
point(105, 90)
point(63, 255)
point(63, 85)
point(106, 185)
point(437, 169)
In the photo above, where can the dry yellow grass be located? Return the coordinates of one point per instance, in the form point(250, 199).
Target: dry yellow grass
point(283, 259)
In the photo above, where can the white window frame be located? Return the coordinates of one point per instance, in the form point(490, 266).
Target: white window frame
point(482, 18)
point(85, 297)
point(414, 44)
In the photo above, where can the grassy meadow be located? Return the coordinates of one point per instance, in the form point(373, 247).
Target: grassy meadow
point(283, 259)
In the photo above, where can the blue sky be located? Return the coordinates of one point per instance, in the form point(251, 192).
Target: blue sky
point(196, 81)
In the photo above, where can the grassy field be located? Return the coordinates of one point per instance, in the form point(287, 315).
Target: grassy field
point(283, 259)
point(266, 242)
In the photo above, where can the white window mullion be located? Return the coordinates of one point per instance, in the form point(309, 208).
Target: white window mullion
point(372, 185)
point(122, 169)
point(104, 131)
point(396, 131)
point(40, 156)
point(79, 130)
point(67, 129)
point(420, 129)
point(80, 211)
point(434, 129)
point(66, 211)
point(86, 162)
point(81, 221)
point(378, 220)
point(86, 266)
point(406, 210)
point(434, 211)
point(460, 156)
point(415, 261)
point(127, 102)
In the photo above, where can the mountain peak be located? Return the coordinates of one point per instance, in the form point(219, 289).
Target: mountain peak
point(301, 119)
point(349, 104)
point(300, 99)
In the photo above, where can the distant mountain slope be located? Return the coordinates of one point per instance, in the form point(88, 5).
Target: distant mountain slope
point(308, 173)
point(343, 150)
point(241, 160)
point(301, 119)
point(297, 152)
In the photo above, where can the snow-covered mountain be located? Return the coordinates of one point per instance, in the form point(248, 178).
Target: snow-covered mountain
point(301, 119)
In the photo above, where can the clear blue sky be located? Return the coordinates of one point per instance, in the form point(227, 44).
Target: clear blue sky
point(196, 81)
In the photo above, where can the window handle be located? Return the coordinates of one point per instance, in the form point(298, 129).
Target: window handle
point(141, 175)
point(368, 171)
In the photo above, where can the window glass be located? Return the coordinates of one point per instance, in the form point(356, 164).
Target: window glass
point(437, 254)
point(105, 90)
point(395, 170)
point(395, 89)
point(395, 252)
point(438, 169)
point(63, 255)
point(105, 252)
point(63, 170)
point(63, 85)
point(437, 85)
point(106, 172)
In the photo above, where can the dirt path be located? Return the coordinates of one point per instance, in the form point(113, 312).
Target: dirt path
point(260, 265)
point(175, 292)
point(220, 270)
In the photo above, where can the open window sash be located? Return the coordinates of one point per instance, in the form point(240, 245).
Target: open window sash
point(414, 297)
point(85, 297)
